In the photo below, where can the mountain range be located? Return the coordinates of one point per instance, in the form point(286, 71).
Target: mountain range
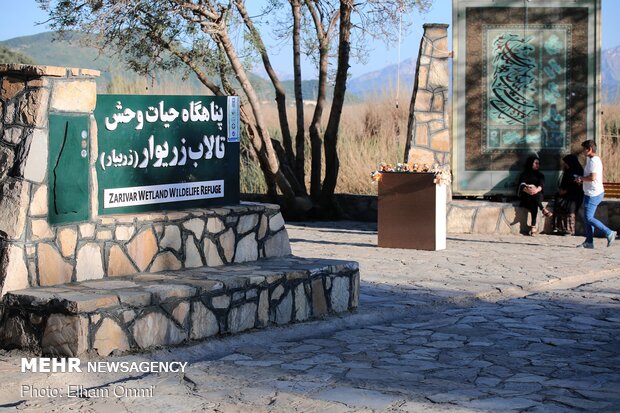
point(610, 75)
point(44, 49)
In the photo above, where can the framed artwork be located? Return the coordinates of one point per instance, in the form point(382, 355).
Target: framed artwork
point(525, 80)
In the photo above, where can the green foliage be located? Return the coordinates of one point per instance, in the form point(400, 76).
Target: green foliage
point(11, 56)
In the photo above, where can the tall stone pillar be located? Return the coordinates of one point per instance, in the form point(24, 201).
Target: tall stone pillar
point(28, 94)
point(428, 128)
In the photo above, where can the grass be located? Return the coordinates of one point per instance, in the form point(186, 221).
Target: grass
point(610, 143)
point(370, 132)
point(375, 131)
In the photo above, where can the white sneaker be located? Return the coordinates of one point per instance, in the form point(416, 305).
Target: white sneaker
point(611, 237)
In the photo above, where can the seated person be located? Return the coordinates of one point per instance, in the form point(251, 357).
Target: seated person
point(531, 186)
point(569, 197)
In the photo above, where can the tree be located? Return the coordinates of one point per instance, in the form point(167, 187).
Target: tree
point(197, 35)
point(11, 56)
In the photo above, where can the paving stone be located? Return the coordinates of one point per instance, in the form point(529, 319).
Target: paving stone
point(242, 318)
point(124, 232)
point(142, 248)
point(107, 284)
point(277, 292)
point(86, 301)
point(155, 329)
point(247, 249)
point(215, 225)
point(196, 226)
point(456, 396)
point(110, 337)
point(38, 205)
point(165, 292)
point(14, 197)
point(319, 304)
point(284, 309)
point(89, 262)
point(211, 254)
point(171, 238)
point(87, 230)
point(302, 308)
point(263, 308)
point(227, 242)
point(276, 222)
point(180, 312)
point(358, 397)
point(65, 335)
point(247, 223)
point(16, 277)
point(501, 404)
point(203, 322)
point(67, 240)
point(277, 245)
point(340, 294)
point(40, 230)
point(134, 298)
point(192, 255)
point(165, 261)
point(262, 229)
point(221, 301)
point(581, 403)
point(53, 269)
point(257, 363)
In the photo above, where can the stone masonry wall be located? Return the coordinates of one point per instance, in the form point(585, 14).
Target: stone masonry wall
point(27, 95)
point(428, 129)
point(34, 253)
point(149, 310)
point(480, 217)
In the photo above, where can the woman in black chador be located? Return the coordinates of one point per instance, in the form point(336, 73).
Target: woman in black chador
point(569, 197)
point(531, 186)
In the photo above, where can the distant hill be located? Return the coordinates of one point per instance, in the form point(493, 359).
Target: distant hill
point(375, 83)
point(610, 75)
point(43, 49)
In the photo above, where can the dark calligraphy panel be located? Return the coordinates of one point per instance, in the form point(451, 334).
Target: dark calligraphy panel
point(526, 85)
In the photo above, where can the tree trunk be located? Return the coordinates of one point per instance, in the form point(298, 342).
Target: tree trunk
point(331, 132)
point(315, 125)
point(266, 151)
point(299, 99)
point(250, 130)
point(278, 87)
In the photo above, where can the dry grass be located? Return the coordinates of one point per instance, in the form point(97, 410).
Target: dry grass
point(610, 143)
point(370, 132)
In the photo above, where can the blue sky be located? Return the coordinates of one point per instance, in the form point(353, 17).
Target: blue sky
point(21, 17)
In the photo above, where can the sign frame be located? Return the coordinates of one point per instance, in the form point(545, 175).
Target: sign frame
point(166, 152)
point(485, 179)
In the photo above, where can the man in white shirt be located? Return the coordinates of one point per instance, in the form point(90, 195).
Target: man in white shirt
point(593, 190)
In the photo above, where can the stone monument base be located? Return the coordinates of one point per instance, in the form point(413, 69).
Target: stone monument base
point(145, 310)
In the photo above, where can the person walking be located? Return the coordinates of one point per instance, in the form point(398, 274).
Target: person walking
point(593, 190)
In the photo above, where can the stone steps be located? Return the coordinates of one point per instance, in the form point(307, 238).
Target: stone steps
point(146, 310)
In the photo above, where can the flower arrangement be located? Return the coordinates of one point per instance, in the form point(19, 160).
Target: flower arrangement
point(442, 173)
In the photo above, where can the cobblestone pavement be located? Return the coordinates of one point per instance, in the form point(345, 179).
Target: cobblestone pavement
point(490, 324)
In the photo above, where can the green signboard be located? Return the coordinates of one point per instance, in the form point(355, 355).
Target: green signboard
point(166, 152)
